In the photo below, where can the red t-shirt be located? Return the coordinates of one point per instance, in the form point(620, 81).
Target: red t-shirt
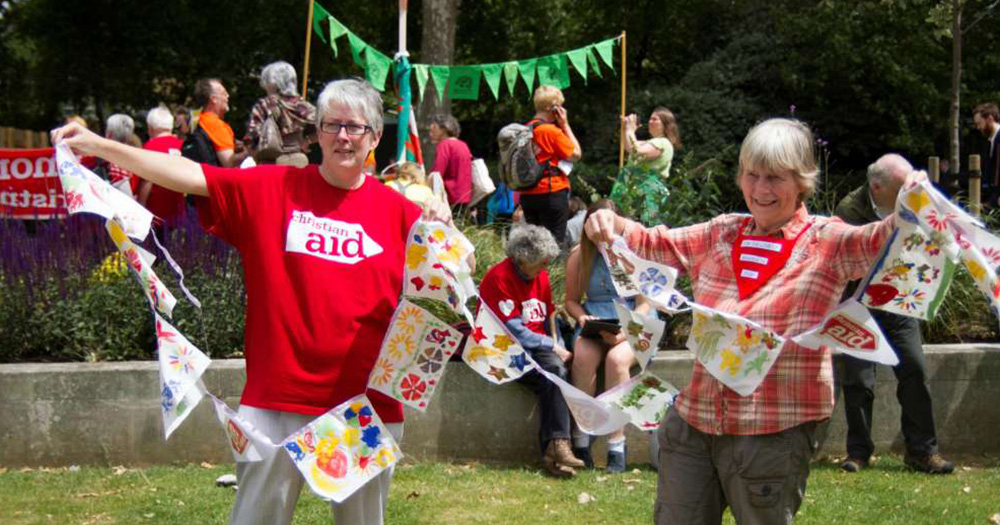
point(453, 160)
point(165, 204)
point(510, 297)
point(323, 269)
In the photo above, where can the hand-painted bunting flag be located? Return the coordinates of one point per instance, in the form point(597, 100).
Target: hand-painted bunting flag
point(437, 266)
point(633, 275)
point(644, 398)
point(413, 356)
point(492, 351)
point(181, 367)
point(643, 332)
point(343, 449)
point(593, 416)
point(245, 441)
point(141, 265)
point(851, 329)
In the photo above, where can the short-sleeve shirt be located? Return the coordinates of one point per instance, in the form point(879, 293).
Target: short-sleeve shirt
point(165, 204)
point(511, 297)
point(323, 268)
point(660, 164)
point(553, 146)
point(453, 160)
point(218, 131)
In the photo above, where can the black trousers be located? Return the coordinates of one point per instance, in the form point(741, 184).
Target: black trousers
point(548, 210)
point(552, 407)
point(903, 334)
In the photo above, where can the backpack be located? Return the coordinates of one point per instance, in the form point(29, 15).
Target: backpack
point(519, 166)
point(501, 203)
point(198, 147)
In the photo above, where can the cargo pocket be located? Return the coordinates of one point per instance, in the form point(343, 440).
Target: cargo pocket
point(764, 493)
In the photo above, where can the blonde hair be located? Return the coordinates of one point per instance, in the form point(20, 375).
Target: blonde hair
point(781, 145)
point(547, 96)
point(411, 172)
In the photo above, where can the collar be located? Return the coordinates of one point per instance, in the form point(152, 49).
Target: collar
point(789, 230)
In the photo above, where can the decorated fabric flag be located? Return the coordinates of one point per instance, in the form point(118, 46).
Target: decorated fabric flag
point(245, 441)
point(437, 266)
point(984, 274)
point(413, 356)
point(735, 350)
point(642, 331)
point(493, 352)
point(593, 416)
point(463, 82)
point(343, 449)
point(87, 193)
point(181, 367)
point(633, 275)
point(851, 329)
point(553, 70)
point(159, 297)
point(377, 67)
point(644, 399)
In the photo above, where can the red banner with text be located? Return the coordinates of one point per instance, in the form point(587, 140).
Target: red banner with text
point(29, 184)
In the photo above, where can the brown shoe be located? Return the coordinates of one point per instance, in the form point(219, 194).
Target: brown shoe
point(854, 464)
point(929, 463)
point(556, 470)
point(560, 452)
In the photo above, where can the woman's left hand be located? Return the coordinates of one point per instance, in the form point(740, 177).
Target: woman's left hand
point(435, 210)
point(612, 338)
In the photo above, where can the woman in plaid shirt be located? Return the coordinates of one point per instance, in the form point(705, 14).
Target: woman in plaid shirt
point(785, 269)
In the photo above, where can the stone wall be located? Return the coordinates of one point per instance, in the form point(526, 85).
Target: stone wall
point(108, 413)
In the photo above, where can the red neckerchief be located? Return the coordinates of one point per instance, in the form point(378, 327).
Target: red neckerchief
point(756, 258)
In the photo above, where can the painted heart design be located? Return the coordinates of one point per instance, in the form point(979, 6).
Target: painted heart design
point(418, 282)
point(364, 420)
point(506, 306)
point(879, 294)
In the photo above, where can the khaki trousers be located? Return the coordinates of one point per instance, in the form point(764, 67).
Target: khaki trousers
point(762, 478)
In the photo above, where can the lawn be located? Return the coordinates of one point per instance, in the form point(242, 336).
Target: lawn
point(458, 494)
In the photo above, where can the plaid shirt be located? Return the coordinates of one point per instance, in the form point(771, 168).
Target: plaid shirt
point(799, 387)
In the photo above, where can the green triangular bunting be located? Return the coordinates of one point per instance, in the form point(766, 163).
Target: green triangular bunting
point(510, 73)
point(578, 57)
point(527, 70)
point(553, 70)
point(337, 30)
point(463, 83)
point(492, 72)
point(421, 72)
point(604, 49)
point(357, 47)
point(319, 15)
point(376, 67)
point(594, 66)
point(440, 75)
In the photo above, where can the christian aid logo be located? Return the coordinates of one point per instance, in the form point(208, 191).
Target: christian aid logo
point(850, 334)
point(329, 239)
point(533, 311)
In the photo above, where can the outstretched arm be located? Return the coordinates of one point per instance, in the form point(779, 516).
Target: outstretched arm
point(170, 171)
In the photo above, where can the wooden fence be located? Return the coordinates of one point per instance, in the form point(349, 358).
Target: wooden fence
point(23, 138)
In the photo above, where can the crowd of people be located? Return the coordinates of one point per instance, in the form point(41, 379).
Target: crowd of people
point(717, 449)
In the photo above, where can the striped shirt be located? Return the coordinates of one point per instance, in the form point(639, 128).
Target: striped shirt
point(799, 387)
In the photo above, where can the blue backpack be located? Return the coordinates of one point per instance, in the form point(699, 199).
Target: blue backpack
point(501, 203)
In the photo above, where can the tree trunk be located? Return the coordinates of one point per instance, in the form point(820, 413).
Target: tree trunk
point(437, 46)
point(956, 86)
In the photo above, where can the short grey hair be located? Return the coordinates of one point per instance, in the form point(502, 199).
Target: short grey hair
point(530, 244)
point(781, 145)
point(356, 94)
point(160, 118)
point(888, 166)
point(279, 78)
point(120, 127)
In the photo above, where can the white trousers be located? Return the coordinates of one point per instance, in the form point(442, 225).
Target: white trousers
point(269, 489)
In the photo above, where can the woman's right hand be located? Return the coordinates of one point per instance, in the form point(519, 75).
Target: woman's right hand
point(80, 139)
point(600, 227)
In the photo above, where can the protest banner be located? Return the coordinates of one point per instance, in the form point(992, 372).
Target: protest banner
point(29, 185)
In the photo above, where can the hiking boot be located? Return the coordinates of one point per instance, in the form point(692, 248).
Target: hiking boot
point(556, 470)
point(583, 453)
point(929, 463)
point(616, 463)
point(854, 464)
point(560, 452)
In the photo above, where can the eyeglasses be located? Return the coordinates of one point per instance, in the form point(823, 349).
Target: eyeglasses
point(334, 128)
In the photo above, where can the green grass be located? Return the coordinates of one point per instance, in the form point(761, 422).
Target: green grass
point(459, 494)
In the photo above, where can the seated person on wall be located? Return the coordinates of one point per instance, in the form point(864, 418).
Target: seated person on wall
point(587, 275)
point(517, 290)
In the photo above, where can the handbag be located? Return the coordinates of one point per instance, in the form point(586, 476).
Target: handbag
point(269, 146)
point(482, 184)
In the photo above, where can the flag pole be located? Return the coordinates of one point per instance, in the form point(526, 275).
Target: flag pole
point(305, 65)
point(621, 141)
point(402, 77)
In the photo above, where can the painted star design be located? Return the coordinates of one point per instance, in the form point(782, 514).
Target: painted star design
point(518, 361)
point(502, 342)
point(498, 373)
point(478, 334)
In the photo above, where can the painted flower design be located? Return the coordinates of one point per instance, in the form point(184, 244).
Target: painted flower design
point(415, 256)
point(652, 282)
point(413, 387)
point(910, 300)
point(408, 320)
point(731, 362)
point(383, 371)
point(74, 201)
point(182, 359)
point(400, 345)
point(939, 221)
point(992, 255)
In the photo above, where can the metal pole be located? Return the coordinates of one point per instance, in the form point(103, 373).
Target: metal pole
point(305, 65)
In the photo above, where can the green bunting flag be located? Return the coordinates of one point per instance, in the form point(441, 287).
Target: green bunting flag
point(594, 66)
point(376, 67)
point(421, 72)
point(510, 73)
point(578, 57)
point(463, 83)
point(553, 70)
point(319, 15)
point(337, 30)
point(492, 72)
point(604, 49)
point(527, 70)
point(357, 47)
point(440, 75)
